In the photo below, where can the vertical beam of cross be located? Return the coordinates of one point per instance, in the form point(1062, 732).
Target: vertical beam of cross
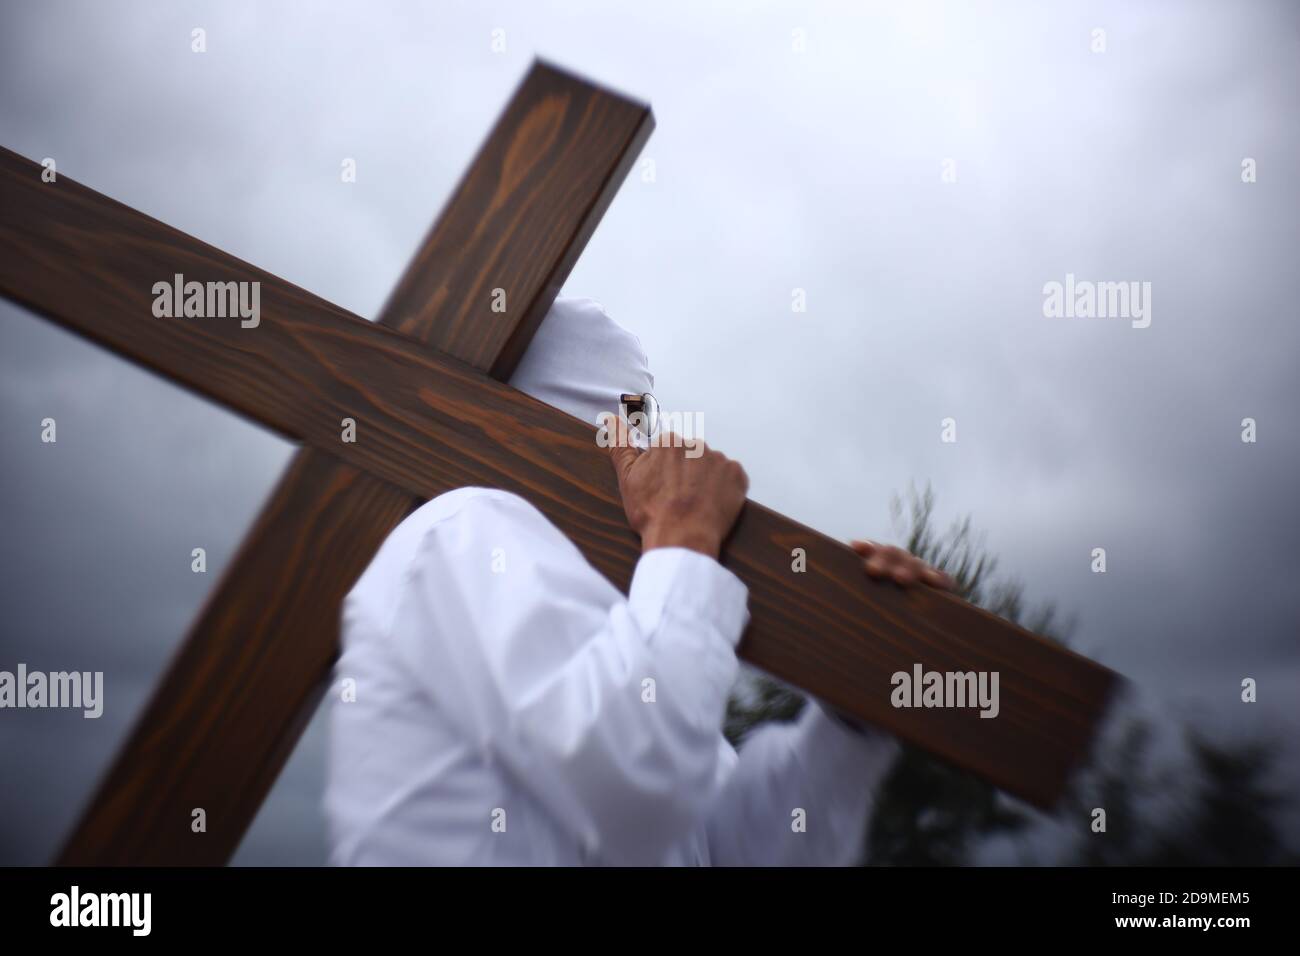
point(245, 682)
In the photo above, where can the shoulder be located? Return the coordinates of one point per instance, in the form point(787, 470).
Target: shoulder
point(472, 522)
point(453, 531)
point(469, 510)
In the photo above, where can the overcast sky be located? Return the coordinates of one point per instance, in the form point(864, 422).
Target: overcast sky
point(775, 169)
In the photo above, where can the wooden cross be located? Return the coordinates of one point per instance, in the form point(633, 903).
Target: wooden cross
point(424, 387)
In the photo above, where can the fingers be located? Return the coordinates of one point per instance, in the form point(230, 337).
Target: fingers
point(936, 578)
point(889, 562)
point(895, 564)
point(880, 561)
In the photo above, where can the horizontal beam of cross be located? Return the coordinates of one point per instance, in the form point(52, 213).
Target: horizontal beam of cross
point(427, 423)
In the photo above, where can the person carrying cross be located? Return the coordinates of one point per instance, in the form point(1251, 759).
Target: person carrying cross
point(513, 707)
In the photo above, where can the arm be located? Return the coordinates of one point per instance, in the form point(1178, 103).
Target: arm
point(814, 764)
point(543, 665)
point(551, 670)
point(826, 764)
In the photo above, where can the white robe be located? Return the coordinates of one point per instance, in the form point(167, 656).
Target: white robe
point(501, 711)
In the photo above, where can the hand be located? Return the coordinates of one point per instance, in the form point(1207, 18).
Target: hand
point(675, 501)
point(905, 569)
point(895, 564)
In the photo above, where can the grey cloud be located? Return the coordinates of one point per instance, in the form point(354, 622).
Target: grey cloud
point(774, 171)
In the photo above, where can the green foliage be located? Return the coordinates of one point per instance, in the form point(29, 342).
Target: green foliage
point(962, 553)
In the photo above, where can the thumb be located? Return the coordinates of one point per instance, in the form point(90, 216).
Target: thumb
point(622, 452)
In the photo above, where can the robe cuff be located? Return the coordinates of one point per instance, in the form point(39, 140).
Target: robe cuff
point(680, 582)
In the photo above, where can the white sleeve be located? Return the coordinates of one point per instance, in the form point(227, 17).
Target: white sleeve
point(814, 764)
point(540, 661)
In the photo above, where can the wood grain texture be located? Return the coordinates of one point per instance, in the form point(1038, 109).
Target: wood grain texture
point(428, 423)
point(519, 219)
point(236, 697)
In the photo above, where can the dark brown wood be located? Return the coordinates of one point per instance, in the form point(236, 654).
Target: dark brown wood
point(519, 219)
point(217, 734)
point(237, 695)
point(428, 423)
